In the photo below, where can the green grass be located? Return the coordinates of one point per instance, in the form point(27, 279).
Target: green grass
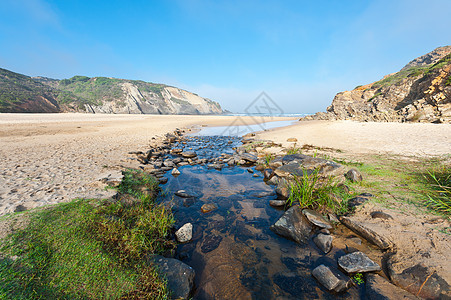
point(268, 158)
point(90, 249)
point(294, 150)
point(312, 191)
point(438, 189)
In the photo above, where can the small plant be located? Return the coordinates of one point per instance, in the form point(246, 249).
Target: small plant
point(268, 158)
point(358, 278)
point(294, 150)
point(439, 192)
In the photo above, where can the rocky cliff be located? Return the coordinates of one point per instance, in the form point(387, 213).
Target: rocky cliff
point(419, 92)
point(21, 93)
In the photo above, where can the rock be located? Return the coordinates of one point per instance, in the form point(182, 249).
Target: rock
point(180, 276)
point(303, 164)
point(185, 233)
point(262, 194)
point(316, 218)
point(273, 181)
point(333, 281)
point(169, 163)
point(275, 163)
point(210, 243)
point(356, 201)
point(176, 150)
point(20, 208)
point(188, 154)
point(366, 195)
point(377, 288)
point(292, 140)
point(162, 180)
point(324, 242)
point(368, 234)
point(333, 218)
point(248, 157)
point(283, 189)
point(277, 203)
point(294, 225)
point(267, 173)
point(175, 172)
point(183, 194)
point(353, 175)
point(417, 279)
point(250, 170)
point(294, 158)
point(255, 175)
point(380, 215)
point(208, 207)
point(357, 262)
point(259, 167)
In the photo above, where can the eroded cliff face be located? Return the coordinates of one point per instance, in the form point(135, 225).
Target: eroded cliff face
point(419, 92)
point(167, 100)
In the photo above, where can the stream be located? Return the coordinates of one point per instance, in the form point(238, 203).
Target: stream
point(233, 252)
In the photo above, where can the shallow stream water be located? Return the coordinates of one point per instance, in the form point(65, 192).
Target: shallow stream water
point(233, 251)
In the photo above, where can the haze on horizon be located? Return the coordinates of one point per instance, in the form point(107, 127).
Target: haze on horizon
point(301, 53)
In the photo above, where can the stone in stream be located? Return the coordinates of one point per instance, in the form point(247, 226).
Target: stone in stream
point(294, 225)
point(208, 207)
point(273, 181)
point(333, 281)
point(255, 175)
point(183, 194)
point(188, 154)
point(180, 276)
point(250, 170)
point(277, 203)
point(210, 243)
point(168, 163)
point(175, 172)
point(185, 233)
point(267, 173)
point(275, 163)
point(357, 262)
point(283, 189)
point(378, 288)
point(248, 157)
point(316, 218)
point(259, 167)
point(162, 180)
point(353, 175)
point(324, 242)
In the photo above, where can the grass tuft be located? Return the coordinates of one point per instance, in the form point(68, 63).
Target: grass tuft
point(438, 191)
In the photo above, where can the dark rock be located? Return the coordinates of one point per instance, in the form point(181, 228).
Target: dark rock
point(418, 280)
point(283, 189)
point(210, 243)
point(267, 173)
point(208, 207)
point(380, 215)
point(248, 157)
point(324, 242)
point(20, 208)
point(353, 175)
point(294, 225)
point(188, 154)
point(333, 281)
point(316, 218)
point(180, 276)
point(307, 165)
point(356, 201)
point(273, 181)
point(378, 288)
point(366, 195)
point(295, 285)
point(380, 241)
point(259, 167)
point(263, 194)
point(275, 163)
point(357, 262)
point(277, 203)
point(250, 170)
point(294, 158)
point(162, 180)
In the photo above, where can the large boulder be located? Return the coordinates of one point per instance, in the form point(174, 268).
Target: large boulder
point(298, 165)
point(179, 275)
point(293, 225)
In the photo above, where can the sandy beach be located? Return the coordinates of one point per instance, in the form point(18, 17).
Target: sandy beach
point(51, 158)
point(354, 138)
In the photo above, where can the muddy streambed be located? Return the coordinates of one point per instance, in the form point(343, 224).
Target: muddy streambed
point(233, 252)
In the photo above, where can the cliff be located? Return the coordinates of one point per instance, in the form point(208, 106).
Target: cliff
point(419, 92)
point(21, 93)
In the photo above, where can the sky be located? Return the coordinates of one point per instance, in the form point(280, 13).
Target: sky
point(300, 53)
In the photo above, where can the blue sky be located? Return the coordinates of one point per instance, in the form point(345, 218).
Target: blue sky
point(301, 53)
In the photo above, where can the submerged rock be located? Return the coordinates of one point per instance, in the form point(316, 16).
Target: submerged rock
point(208, 207)
point(179, 275)
point(293, 225)
point(357, 262)
point(188, 154)
point(277, 203)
